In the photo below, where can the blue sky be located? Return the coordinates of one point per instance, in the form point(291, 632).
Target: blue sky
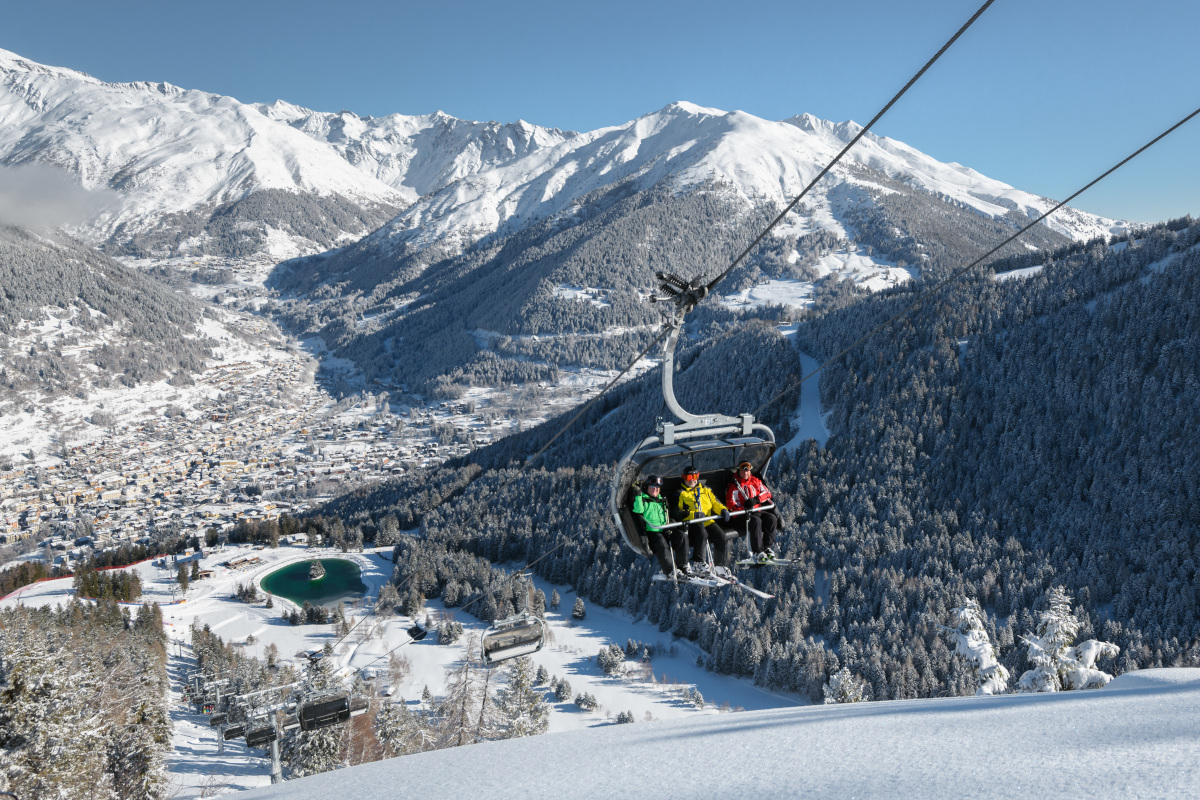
point(1042, 95)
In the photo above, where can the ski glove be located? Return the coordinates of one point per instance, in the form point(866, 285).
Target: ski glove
point(724, 515)
point(751, 503)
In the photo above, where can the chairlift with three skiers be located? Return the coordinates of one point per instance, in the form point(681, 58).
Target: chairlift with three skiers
point(710, 444)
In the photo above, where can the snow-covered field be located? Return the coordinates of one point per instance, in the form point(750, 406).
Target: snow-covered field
point(1138, 737)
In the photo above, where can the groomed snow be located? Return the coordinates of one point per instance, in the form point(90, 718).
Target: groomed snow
point(1138, 737)
point(1019, 273)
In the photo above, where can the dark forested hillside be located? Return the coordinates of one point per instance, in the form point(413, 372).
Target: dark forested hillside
point(242, 227)
point(1008, 437)
point(71, 318)
point(425, 319)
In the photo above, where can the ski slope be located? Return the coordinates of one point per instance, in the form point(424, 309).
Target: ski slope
point(1138, 737)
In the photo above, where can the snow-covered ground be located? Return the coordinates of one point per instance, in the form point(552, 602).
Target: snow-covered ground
point(1138, 737)
point(868, 272)
point(807, 421)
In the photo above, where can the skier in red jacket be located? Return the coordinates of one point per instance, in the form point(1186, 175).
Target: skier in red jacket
point(747, 493)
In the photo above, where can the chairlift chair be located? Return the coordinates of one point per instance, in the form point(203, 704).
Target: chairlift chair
point(234, 731)
point(711, 444)
point(513, 637)
point(264, 734)
point(324, 712)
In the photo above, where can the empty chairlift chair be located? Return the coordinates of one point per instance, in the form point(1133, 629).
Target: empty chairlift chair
point(263, 734)
point(513, 637)
point(323, 712)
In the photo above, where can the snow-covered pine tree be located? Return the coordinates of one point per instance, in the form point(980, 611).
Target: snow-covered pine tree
point(456, 712)
point(402, 732)
point(1058, 664)
point(844, 687)
point(972, 643)
point(579, 611)
point(554, 600)
point(522, 706)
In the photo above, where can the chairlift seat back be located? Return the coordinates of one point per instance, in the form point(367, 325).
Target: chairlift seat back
point(323, 713)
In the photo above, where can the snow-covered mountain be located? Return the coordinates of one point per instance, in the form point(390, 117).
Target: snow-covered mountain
point(169, 151)
point(183, 159)
point(762, 161)
point(422, 154)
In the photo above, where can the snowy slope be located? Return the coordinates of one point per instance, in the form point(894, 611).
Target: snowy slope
point(1138, 737)
point(759, 160)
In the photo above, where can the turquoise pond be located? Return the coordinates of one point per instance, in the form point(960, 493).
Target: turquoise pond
point(342, 579)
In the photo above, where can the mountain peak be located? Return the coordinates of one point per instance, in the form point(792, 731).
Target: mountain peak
point(10, 62)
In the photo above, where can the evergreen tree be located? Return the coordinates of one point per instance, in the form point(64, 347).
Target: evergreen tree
point(972, 643)
point(554, 600)
point(579, 611)
point(313, 752)
point(843, 687)
point(1058, 664)
point(521, 705)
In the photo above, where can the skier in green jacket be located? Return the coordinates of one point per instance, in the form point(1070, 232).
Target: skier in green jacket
point(651, 506)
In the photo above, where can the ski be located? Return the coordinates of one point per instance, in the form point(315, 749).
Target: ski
point(711, 583)
point(775, 562)
point(756, 592)
point(716, 582)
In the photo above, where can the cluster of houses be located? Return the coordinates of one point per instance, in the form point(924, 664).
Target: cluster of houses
point(255, 453)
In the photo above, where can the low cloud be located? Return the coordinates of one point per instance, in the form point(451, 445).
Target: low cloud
point(38, 195)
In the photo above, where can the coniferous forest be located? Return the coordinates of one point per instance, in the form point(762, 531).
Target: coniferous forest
point(1005, 438)
point(83, 701)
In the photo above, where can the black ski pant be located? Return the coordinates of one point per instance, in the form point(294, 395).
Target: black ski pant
point(666, 543)
point(715, 534)
point(761, 527)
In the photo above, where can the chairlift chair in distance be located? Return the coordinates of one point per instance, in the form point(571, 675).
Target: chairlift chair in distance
point(324, 711)
point(234, 731)
point(263, 734)
point(512, 637)
point(711, 444)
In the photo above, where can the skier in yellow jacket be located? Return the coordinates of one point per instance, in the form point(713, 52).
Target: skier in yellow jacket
point(696, 501)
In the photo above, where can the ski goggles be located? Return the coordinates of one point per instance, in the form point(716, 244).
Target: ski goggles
point(745, 465)
point(654, 480)
point(691, 475)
